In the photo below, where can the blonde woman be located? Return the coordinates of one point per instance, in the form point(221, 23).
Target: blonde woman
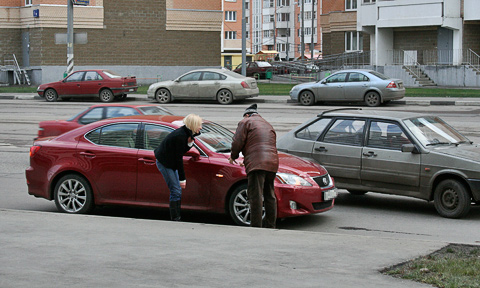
point(169, 155)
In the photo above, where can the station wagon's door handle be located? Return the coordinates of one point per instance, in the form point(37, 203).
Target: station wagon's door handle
point(370, 154)
point(88, 154)
point(147, 161)
point(321, 149)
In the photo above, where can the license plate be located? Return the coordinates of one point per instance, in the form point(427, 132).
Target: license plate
point(329, 195)
point(130, 90)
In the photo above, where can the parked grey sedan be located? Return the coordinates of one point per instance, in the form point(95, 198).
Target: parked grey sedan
point(367, 86)
point(392, 152)
point(221, 85)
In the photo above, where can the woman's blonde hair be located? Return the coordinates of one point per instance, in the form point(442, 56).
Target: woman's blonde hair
point(192, 121)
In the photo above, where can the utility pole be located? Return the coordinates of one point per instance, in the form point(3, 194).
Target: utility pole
point(69, 36)
point(303, 30)
point(312, 46)
point(244, 41)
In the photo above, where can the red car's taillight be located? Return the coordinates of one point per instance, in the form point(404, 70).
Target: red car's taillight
point(245, 85)
point(41, 132)
point(392, 85)
point(34, 149)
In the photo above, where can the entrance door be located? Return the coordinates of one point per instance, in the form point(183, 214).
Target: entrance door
point(26, 49)
point(445, 46)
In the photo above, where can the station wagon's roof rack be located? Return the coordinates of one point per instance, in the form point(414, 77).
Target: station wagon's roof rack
point(335, 110)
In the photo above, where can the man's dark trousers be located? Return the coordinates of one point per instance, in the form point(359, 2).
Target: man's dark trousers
point(260, 183)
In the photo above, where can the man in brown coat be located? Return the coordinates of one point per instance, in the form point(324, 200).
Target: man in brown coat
point(256, 139)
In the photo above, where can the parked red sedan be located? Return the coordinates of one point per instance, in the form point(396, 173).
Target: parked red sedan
point(111, 162)
point(96, 113)
point(104, 84)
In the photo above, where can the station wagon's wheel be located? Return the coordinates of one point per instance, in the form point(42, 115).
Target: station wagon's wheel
point(73, 195)
point(239, 206)
point(372, 99)
point(357, 192)
point(306, 98)
point(452, 199)
point(163, 96)
point(50, 95)
point(224, 96)
point(106, 95)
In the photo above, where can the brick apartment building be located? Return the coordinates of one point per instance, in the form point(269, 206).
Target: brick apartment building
point(154, 39)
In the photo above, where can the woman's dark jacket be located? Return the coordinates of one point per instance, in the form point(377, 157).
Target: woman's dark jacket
point(170, 152)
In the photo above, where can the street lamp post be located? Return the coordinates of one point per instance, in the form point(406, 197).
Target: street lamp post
point(244, 41)
point(303, 30)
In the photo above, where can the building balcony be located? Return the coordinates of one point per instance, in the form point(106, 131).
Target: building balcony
point(411, 13)
point(472, 10)
point(268, 26)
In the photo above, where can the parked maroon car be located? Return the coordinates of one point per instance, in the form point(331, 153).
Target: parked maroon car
point(257, 69)
point(96, 113)
point(111, 162)
point(104, 84)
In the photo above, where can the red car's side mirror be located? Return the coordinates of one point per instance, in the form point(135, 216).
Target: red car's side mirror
point(193, 153)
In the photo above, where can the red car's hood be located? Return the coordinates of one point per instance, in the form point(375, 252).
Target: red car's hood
point(294, 165)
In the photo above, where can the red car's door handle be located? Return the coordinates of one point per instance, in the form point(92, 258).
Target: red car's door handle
point(88, 154)
point(147, 161)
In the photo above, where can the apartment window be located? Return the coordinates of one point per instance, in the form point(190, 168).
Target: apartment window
point(231, 16)
point(246, 34)
point(268, 3)
point(230, 0)
point(308, 1)
point(353, 41)
point(369, 1)
point(283, 17)
point(283, 3)
point(230, 35)
point(28, 2)
point(308, 30)
point(246, 5)
point(281, 47)
point(350, 4)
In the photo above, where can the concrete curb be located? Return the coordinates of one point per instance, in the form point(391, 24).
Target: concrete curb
point(286, 99)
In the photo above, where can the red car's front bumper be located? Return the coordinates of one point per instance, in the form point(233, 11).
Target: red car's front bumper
point(308, 200)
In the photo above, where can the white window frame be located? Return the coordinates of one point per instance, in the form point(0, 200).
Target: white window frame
point(230, 35)
point(231, 16)
point(350, 4)
point(28, 2)
point(353, 41)
point(283, 3)
point(369, 1)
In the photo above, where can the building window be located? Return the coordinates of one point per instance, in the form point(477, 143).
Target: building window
point(353, 41)
point(28, 2)
point(230, 0)
point(282, 17)
point(369, 1)
point(246, 5)
point(283, 3)
point(230, 35)
point(350, 4)
point(231, 16)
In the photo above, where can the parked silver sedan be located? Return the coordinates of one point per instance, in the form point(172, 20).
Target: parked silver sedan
point(390, 152)
point(221, 85)
point(367, 86)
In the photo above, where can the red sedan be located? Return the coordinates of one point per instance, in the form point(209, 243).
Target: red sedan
point(111, 162)
point(104, 84)
point(96, 113)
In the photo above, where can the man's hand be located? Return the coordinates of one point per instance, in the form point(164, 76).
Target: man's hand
point(183, 184)
point(231, 160)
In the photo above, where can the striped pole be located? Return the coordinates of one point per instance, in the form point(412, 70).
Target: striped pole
point(69, 37)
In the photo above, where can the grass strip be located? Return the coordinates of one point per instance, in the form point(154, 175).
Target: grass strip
point(454, 266)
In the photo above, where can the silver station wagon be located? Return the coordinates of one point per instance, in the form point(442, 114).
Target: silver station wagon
point(392, 152)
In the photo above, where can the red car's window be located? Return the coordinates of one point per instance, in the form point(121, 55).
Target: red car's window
point(154, 135)
point(119, 135)
point(121, 111)
point(75, 77)
point(92, 76)
point(96, 114)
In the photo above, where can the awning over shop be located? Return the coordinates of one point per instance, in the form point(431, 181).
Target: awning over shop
point(266, 55)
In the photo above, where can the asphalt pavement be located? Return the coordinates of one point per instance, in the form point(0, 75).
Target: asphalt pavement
point(44, 249)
